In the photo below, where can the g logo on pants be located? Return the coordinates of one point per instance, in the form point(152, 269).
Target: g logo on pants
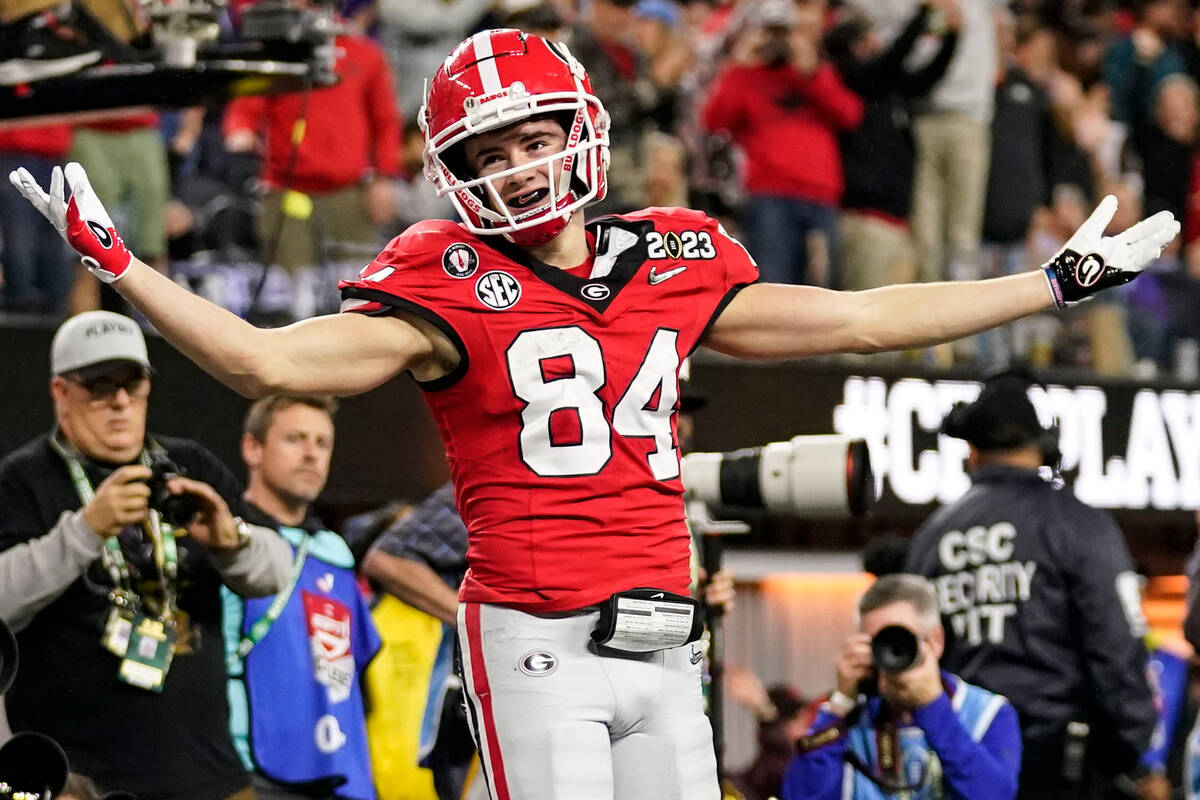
point(537, 663)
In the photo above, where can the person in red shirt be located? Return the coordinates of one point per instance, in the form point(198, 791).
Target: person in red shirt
point(126, 157)
point(549, 349)
point(331, 157)
point(784, 106)
point(37, 267)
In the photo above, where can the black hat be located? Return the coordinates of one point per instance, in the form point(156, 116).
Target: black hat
point(8, 657)
point(34, 763)
point(1001, 418)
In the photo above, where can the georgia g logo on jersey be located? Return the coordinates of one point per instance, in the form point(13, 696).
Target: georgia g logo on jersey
point(595, 291)
point(497, 290)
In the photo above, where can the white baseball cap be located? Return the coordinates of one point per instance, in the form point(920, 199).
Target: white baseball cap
point(93, 339)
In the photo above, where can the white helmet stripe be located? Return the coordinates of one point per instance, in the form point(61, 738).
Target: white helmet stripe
point(486, 63)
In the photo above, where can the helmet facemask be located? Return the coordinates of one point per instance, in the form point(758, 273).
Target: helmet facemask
point(577, 172)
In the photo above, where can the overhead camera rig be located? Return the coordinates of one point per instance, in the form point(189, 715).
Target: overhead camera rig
point(281, 47)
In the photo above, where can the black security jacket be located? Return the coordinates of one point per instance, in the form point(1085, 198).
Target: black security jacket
point(1040, 603)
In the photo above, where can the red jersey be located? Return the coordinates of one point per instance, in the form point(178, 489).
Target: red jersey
point(559, 421)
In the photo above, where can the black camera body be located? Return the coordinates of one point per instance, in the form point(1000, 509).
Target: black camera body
point(176, 510)
point(895, 649)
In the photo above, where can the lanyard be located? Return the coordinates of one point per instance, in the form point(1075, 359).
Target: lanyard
point(890, 775)
point(259, 629)
point(166, 554)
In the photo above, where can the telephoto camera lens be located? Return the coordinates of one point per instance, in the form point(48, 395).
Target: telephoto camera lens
point(33, 764)
point(811, 476)
point(895, 649)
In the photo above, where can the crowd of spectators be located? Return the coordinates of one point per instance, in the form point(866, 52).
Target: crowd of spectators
point(850, 143)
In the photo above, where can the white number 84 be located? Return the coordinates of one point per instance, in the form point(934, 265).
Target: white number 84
point(631, 418)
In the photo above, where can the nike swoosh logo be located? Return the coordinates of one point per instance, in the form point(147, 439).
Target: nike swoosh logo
point(658, 277)
point(696, 656)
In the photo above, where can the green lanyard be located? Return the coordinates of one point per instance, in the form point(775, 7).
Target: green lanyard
point(259, 629)
point(166, 554)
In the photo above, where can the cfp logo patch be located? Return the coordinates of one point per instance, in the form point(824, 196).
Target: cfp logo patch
point(460, 260)
point(1089, 269)
point(537, 663)
point(497, 290)
point(690, 245)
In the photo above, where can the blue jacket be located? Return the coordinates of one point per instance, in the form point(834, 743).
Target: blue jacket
point(296, 707)
point(965, 745)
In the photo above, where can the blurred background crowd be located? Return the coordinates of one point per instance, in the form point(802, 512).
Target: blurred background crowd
point(848, 143)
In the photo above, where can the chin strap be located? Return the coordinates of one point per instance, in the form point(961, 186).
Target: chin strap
point(539, 234)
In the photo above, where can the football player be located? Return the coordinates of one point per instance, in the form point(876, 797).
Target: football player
point(548, 348)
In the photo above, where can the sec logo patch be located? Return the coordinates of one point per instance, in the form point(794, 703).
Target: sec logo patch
point(460, 260)
point(497, 290)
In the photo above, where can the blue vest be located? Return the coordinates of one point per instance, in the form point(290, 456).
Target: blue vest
point(296, 708)
point(919, 765)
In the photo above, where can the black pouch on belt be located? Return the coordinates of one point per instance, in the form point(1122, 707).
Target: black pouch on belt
point(645, 620)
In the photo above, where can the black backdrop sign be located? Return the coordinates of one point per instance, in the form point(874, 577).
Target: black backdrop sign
point(1130, 447)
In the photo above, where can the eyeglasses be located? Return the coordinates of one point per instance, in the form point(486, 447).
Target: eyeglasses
point(105, 387)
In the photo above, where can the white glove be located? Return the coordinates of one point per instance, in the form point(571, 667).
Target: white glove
point(80, 218)
point(1091, 261)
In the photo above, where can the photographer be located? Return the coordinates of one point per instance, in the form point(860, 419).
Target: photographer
point(780, 90)
point(898, 725)
point(1040, 601)
point(118, 616)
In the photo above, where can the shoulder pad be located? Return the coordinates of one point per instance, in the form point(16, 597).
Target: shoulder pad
point(664, 216)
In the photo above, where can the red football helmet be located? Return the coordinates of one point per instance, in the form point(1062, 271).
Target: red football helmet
point(497, 78)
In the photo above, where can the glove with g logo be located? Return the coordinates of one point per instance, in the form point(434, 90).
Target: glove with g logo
point(1091, 261)
point(80, 218)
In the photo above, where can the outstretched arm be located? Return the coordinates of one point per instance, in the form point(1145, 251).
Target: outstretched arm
point(343, 354)
point(770, 321)
point(338, 354)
